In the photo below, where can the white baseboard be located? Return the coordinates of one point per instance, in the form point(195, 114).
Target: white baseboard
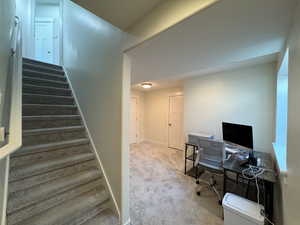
point(93, 145)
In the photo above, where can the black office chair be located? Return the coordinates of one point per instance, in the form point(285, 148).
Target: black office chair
point(210, 159)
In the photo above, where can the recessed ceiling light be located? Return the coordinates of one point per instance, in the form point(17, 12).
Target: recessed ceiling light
point(146, 85)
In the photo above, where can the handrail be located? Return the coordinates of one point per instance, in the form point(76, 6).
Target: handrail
point(14, 134)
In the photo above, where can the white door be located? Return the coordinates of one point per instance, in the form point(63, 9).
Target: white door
point(134, 121)
point(176, 138)
point(44, 40)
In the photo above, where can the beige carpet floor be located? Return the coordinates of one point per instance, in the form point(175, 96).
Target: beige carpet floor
point(160, 193)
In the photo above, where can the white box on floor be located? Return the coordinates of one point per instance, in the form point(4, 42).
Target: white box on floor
point(240, 211)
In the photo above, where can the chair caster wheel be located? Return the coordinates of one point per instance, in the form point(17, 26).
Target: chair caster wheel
point(198, 193)
point(197, 182)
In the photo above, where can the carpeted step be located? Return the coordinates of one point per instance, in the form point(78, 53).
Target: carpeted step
point(106, 217)
point(38, 193)
point(47, 99)
point(35, 122)
point(75, 211)
point(43, 75)
point(33, 89)
point(44, 82)
point(42, 206)
point(49, 135)
point(41, 109)
point(29, 182)
point(29, 150)
point(48, 155)
point(42, 167)
point(40, 65)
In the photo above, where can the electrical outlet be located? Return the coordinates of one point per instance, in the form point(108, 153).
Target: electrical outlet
point(2, 134)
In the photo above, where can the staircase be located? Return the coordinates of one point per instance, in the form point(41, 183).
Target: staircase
point(54, 178)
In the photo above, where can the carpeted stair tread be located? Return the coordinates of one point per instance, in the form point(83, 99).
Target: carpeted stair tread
point(24, 198)
point(48, 203)
point(29, 182)
point(106, 217)
point(49, 147)
point(47, 99)
point(44, 82)
point(47, 165)
point(35, 89)
point(77, 209)
point(44, 109)
point(51, 130)
point(40, 63)
point(43, 75)
point(50, 117)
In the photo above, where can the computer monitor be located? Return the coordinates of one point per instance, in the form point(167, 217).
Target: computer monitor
point(238, 134)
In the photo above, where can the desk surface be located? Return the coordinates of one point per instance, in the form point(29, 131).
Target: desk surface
point(267, 163)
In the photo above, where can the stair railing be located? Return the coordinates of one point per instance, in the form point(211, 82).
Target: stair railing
point(13, 100)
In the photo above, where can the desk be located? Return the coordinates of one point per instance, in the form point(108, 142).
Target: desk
point(268, 178)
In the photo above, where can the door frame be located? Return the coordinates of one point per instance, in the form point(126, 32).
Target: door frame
point(60, 29)
point(169, 99)
point(138, 120)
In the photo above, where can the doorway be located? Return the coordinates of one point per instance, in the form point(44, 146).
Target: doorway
point(48, 31)
point(44, 40)
point(175, 125)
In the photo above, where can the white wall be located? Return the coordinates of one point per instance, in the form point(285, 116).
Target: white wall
point(157, 113)
point(243, 96)
point(7, 13)
point(93, 60)
point(25, 11)
point(141, 112)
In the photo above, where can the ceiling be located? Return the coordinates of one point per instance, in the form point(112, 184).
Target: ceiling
point(226, 35)
point(160, 84)
point(121, 13)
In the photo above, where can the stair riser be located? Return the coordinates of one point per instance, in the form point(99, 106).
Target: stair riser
point(45, 91)
point(43, 110)
point(52, 137)
point(28, 197)
point(49, 203)
point(39, 179)
point(18, 174)
point(33, 158)
point(41, 75)
point(44, 83)
point(31, 99)
point(53, 66)
point(31, 124)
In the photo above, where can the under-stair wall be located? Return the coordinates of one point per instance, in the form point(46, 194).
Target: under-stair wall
point(93, 62)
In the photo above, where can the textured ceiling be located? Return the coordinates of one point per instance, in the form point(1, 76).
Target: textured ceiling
point(226, 35)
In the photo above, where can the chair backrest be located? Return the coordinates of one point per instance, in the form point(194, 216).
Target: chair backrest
point(212, 150)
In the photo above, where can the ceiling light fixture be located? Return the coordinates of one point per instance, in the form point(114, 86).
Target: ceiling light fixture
point(146, 85)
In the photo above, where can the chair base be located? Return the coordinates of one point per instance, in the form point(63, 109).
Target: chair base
point(211, 184)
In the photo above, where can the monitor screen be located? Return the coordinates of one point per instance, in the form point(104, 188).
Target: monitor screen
point(238, 134)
